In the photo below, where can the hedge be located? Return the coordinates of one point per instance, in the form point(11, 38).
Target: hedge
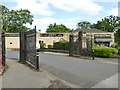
point(61, 45)
point(105, 51)
point(50, 46)
point(42, 45)
point(117, 46)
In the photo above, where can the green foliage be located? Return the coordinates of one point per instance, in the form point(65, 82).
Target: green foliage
point(50, 46)
point(109, 23)
point(76, 47)
point(42, 45)
point(104, 51)
point(117, 46)
point(14, 20)
point(84, 24)
point(57, 28)
point(117, 36)
point(113, 45)
point(61, 45)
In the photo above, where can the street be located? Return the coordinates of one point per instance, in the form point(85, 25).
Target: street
point(81, 72)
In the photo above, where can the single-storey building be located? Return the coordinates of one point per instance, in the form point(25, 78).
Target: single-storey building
point(12, 40)
point(50, 38)
point(100, 37)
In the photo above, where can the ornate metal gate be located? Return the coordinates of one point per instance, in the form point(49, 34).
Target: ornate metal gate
point(30, 39)
point(28, 47)
point(3, 49)
point(80, 45)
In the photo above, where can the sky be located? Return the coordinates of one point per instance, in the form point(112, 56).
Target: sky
point(67, 12)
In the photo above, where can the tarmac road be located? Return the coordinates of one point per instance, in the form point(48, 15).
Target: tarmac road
point(81, 72)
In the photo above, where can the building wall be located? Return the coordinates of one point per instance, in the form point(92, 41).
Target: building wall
point(112, 36)
point(12, 42)
point(111, 33)
point(50, 40)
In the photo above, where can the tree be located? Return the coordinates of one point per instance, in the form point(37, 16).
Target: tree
point(84, 24)
point(13, 21)
point(109, 24)
point(57, 28)
point(117, 36)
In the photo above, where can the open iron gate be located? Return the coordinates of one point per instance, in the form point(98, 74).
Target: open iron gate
point(81, 45)
point(3, 49)
point(28, 47)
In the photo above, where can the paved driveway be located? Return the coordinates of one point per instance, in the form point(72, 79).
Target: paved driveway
point(11, 54)
point(84, 73)
point(81, 72)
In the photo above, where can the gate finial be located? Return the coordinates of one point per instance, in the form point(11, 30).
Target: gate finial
point(35, 27)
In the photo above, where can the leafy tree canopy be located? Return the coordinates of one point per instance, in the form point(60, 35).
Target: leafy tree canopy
point(84, 24)
point(57, 28)
point(14, 20)
point(108, 24)
point(117, 36)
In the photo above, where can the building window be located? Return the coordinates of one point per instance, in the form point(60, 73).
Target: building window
point(51, 35)
point(41, 41)
point(10, 42)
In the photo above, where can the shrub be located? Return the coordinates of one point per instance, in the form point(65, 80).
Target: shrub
point(105, 51)
point(117, 46)
point(42, 45)
point(61, 45)
point(113, 45)
point(50, 46)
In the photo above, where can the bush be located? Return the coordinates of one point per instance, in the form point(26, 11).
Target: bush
point(61, 45)
point(42, 45)
point(117, 46)
point(50, 46)
point(105, 51)
point(113, 45)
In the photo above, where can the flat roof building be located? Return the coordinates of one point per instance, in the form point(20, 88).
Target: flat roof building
point(100, 37)
point(50, 38)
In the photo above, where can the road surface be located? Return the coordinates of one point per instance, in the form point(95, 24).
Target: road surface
point(84, 73)
point(81, 72)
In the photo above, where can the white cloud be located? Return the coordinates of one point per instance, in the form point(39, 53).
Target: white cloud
point(35, 7)
point(8, 0)
point(92, 0)
point(44, 23)
point(113, 12)
point(106, 0)
point(43, 6)
point(76, 5)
